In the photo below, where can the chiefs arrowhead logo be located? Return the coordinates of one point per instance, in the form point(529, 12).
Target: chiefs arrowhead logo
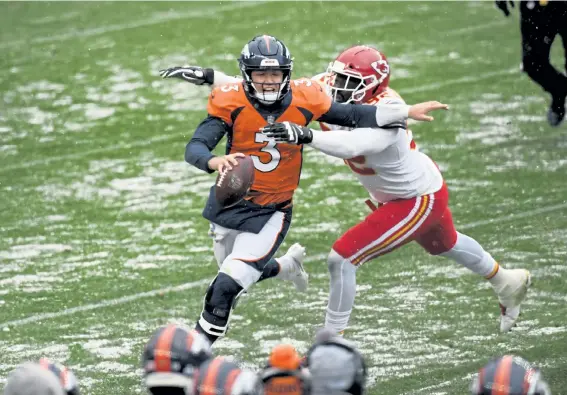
point(381, 67)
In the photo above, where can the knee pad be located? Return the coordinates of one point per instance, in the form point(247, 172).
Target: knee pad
point(220, 300)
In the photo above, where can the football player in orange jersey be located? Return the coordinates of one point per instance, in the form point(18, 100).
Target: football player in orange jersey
point(397, 175)
point(247, 235)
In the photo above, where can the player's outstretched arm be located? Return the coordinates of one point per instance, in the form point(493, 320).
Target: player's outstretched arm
point(338, 143)
point(382, 115)
point(350, 144)
point(420, 111)
point(198, 75)
point(224, 79)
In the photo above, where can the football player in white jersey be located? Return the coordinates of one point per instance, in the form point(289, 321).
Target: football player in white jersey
point(407, 185)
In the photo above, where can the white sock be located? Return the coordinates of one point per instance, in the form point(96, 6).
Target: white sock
point(342, 291)
point(470, 254)
point(337, 321)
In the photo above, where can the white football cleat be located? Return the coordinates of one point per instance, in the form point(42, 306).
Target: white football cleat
point(296, 273)
point(511, 295)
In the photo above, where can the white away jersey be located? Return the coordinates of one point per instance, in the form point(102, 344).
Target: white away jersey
point(398, 171)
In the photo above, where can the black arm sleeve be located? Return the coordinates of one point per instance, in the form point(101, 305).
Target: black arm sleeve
point(351, 115)
point(206, 137)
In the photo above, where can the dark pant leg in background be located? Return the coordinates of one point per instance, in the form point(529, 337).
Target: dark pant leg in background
point(539, 27)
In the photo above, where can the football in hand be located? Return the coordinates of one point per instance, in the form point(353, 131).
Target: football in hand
point(233, 185)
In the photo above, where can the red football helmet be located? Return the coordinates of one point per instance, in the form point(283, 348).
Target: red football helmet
point(358, 74)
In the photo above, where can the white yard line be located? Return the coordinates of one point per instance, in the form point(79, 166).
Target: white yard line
point(210, 12)
point(512, 217)
point(104, 303)
point(183, 287)
point(474, 28)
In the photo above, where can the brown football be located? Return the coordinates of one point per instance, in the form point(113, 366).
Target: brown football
point(233, 185)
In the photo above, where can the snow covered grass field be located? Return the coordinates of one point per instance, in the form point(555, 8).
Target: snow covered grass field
point(101, 237)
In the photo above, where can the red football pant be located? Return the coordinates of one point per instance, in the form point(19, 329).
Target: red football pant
point(425, 219)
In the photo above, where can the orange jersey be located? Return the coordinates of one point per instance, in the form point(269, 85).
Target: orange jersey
point(277, 166)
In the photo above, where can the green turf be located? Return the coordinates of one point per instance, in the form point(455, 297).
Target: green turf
point(98, 205)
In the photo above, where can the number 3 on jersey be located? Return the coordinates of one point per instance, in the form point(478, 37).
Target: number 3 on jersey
point(269, 148)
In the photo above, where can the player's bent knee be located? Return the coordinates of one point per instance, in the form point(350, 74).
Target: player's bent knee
point(244, 273)
point(343, 247)
point(438, 247)
point(220, 300)
point(336, 263)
